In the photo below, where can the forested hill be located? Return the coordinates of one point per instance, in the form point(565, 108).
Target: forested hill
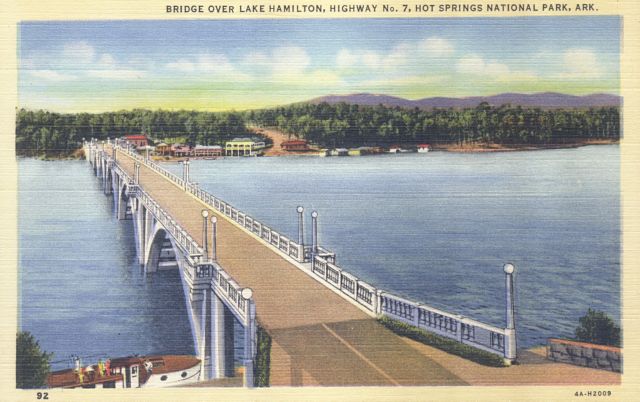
point(347, 125)
point(41, 131)
point(338, 125)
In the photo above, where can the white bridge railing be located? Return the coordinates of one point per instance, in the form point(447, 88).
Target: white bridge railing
point(270, 236)
point(205, 270)
point(381, 303)
point(378, 302)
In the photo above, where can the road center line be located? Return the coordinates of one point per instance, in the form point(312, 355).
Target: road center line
point(360, 355)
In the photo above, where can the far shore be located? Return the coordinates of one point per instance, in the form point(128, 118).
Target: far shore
point(455, 148)
point(477, 148)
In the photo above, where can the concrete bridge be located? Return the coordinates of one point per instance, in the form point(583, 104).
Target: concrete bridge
point(234, 268)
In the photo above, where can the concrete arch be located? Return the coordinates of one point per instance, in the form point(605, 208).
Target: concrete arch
point(160, 251)
point(108, 179)
point(122, 202)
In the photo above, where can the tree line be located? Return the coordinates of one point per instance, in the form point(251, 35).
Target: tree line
point(348, 125)
point(337, 125)
point(41, 131)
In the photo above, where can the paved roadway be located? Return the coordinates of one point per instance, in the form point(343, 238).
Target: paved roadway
point(318, 337)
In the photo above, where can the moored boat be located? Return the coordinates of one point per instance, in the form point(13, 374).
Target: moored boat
point(130, 372)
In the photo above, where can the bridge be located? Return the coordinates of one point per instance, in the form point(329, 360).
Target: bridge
point(235, 269)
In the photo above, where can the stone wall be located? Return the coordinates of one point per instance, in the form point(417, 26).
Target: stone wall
point(585, 354)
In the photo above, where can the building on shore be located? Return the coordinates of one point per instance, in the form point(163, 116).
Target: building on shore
point(243, 147)
point(295, 145)
point(340, 152)
point(364, 151)
point(137, 140)
point(180, 150)
point(163, 149)
point(207, 151)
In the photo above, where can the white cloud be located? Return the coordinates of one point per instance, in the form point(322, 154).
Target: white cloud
point(581, 63)
point(371, 59)
point(217, 65)
point(436, 47)
point(474, 64)
point(51, 75)
point(106, 60)
point(403, 54)
point(346, 58)
point(214, 63)
point(289, 60)
point(399, 56)
point(256, 58)
point(79, 52)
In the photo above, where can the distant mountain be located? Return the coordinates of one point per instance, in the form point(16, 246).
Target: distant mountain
point(546, 100)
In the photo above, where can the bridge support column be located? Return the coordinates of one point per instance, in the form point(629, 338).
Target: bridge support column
point(114, 185)
point(149, 221)
point(116, 193)
point(141, 229)
point(204, 346)
point(122, 201)
point(250, 340)
point(222, 340)
point(107, 179)
point(97, 163)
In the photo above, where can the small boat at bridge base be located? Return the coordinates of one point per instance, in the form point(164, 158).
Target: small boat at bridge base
point(131, 372)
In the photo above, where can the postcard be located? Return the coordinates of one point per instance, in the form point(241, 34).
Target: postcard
point(319, 200)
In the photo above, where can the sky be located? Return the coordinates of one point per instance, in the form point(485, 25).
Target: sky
point(95, 66)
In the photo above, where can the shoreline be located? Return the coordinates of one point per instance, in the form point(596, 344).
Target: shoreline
point(481, 148)
point(453, 148)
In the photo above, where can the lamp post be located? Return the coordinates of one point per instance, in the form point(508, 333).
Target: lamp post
point(205, 224)
point(214, 222)
point(185, 171)
point(300, 225)
point(510, 312)
point(314, 232)
point(137, 172)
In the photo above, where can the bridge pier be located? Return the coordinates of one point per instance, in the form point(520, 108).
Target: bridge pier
point(222, 339)
point(122, 199)
point(107, 178)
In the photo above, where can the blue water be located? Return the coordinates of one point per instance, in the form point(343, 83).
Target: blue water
point(81, 289)
point(434, 228)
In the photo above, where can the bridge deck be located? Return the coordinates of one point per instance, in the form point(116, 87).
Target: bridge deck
point(318, 337)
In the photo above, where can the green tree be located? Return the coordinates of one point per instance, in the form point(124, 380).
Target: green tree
point(597, 327)
point(32, 364)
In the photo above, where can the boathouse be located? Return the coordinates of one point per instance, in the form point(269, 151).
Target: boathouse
point(295, 145)
point(207, 150)
point(243, 147)
point(163, 149)
point(137, 140)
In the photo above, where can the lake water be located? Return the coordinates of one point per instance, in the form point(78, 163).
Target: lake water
point(434, 228)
